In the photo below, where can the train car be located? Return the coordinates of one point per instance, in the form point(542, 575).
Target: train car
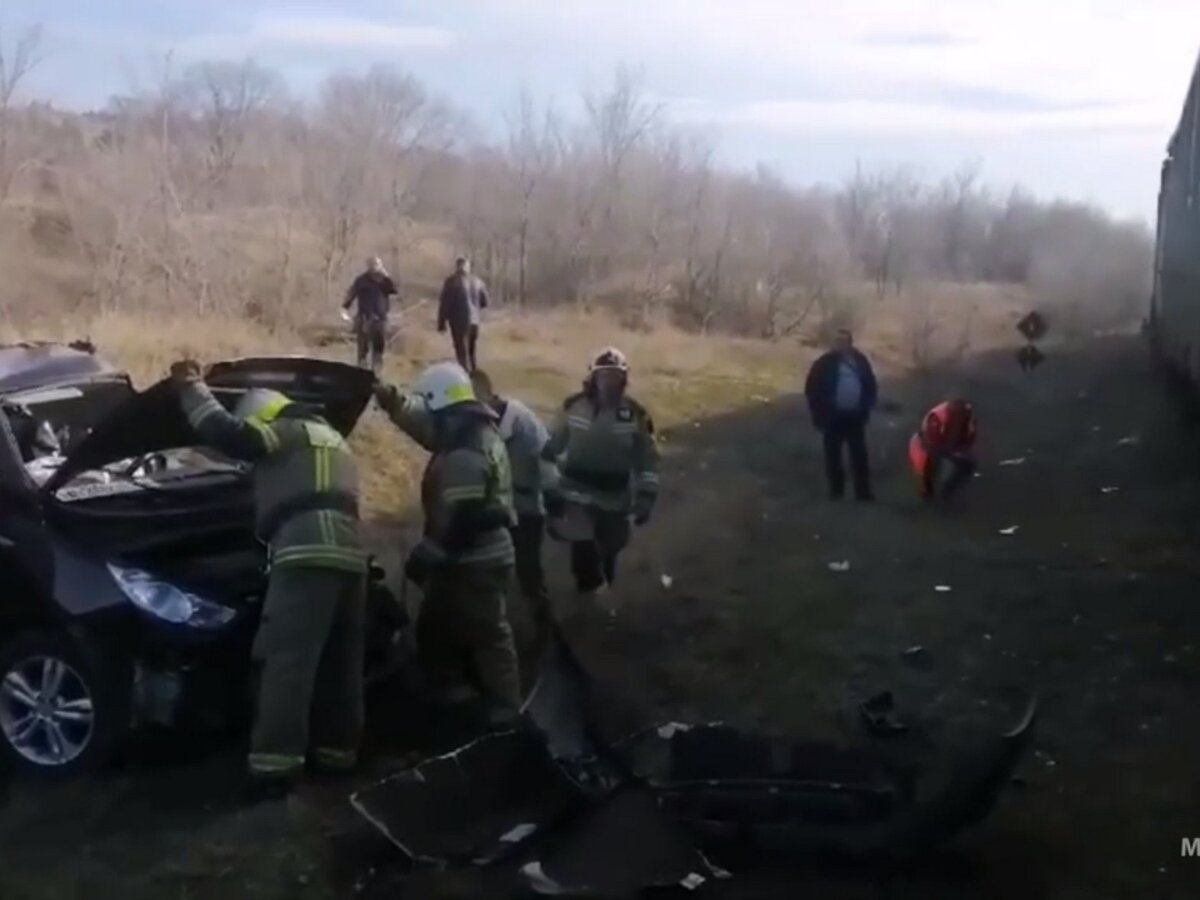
point(1174, 320)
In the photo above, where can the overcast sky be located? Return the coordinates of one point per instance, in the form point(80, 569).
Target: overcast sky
point(1070, 97)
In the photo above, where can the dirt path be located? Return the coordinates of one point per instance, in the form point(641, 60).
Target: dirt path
point(1093, 601)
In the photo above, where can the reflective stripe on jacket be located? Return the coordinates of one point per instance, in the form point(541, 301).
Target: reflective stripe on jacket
point(466, 491)
point(305, 481)
point(605, 456)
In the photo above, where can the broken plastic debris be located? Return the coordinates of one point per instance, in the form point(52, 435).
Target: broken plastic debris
point(668, 731)
point(987, 637)
point(914, 650)
point(667, 581)
point(1015, 461)
point(1109, 490)
point(519, 833)
point(843, 566)
point(693, 881)
point(1130, 440)
point(942, 588)
point(1010, 530)
point(539, 881)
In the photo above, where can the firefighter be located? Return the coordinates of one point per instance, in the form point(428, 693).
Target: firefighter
point(465, 559)
point(371, 293)
point(525, 436)
point(946, 434)
point(603, 441)
point(310, 641)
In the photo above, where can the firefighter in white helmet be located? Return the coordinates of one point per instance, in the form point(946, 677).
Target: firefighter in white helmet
point(603, 441)
point(464, 561)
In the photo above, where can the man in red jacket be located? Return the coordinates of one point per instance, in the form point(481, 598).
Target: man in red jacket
point(947, 434)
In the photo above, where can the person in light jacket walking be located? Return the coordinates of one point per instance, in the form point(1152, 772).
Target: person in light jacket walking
point(841, 391)
point(525, 437)
point(464, 297)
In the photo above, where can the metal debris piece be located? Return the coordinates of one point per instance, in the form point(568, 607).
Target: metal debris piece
point(1015, 461)
point(1131, 440)
point(1109, 490)
point(842, 566)
point(1010, 530)
point(942, 588)
point(667, 581)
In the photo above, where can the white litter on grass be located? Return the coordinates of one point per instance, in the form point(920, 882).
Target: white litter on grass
point(1109, 490)
point(667, 581)
point(843, 566)
point(1015, 461)
point(1131, 440)
point(1010, 530)
point(942, 588)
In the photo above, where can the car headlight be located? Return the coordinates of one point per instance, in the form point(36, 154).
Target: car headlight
point(168, 602)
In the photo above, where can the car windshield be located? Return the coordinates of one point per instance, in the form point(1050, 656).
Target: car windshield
point(48, 422)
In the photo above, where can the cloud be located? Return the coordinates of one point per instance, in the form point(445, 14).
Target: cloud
point(882, 118)
point(912, 39)
point(307, 31)
point(273, 33)
point(1062, 53)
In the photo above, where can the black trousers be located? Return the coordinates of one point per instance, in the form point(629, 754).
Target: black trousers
point(964, 470)
point(371, 334)
point(848, 430)
point(594, 562)
point(527, 537)
point(465, 339)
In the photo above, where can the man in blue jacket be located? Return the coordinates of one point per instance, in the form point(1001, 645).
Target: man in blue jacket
point(841, 392)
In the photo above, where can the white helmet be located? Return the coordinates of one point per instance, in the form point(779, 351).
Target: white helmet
point(261, 405)
point(443, 385)
point(609, 358)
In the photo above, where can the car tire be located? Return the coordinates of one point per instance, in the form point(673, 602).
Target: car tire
point(78, 700)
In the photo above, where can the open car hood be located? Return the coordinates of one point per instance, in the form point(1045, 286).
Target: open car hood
point(153, 419)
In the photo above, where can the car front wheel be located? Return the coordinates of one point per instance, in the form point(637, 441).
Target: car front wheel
point(62, 711)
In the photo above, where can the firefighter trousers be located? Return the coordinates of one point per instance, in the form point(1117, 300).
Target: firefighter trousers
point(594, 562)
point(528, 536)
point(463, 633)
point(310, 647)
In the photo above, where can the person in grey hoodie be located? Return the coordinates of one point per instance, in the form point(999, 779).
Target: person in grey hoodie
point(525, 436)
point(464, 296)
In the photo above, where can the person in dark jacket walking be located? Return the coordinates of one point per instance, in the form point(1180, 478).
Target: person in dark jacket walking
point(464, 296)
point(372, 292)
point(841, 393)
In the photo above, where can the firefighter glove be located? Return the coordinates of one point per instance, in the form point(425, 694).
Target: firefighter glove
point(422, 562)
point(643, 507)
point(555, 505)
point(185, 371)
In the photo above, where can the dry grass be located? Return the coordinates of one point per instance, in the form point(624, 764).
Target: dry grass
point(540, 358)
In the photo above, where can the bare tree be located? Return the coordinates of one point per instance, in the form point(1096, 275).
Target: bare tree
point(530, 153)
point(227, 98)
point(15, 65)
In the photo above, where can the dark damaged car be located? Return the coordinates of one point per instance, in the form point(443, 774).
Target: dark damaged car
point(134, 577)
